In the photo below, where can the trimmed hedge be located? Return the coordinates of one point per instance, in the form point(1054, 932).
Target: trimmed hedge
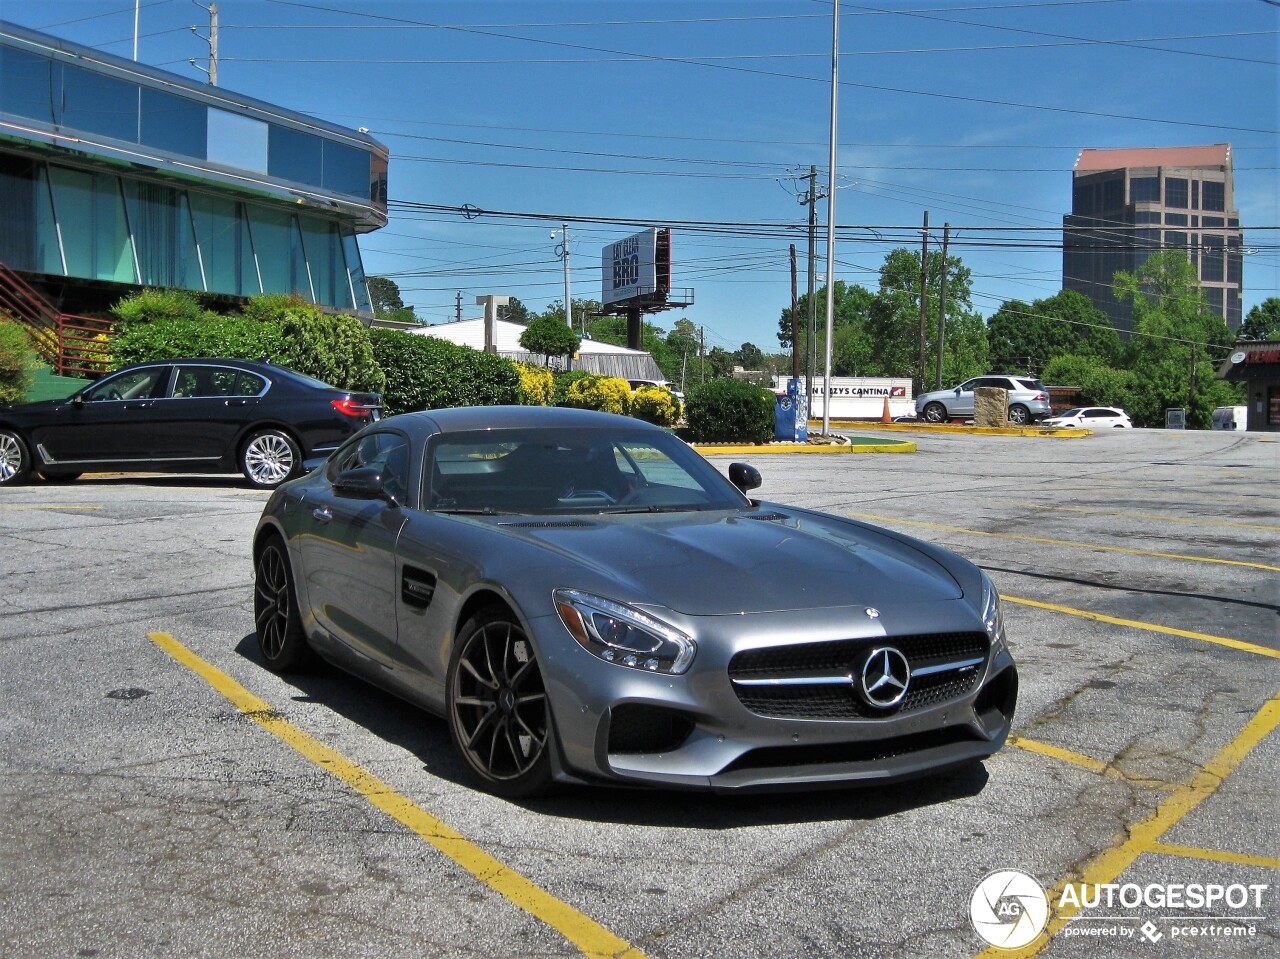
point(233, 337)
point(18, 362)
point(730, 411)
point(425, 373)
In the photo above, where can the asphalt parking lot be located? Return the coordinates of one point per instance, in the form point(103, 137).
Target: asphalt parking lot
point(164, 795)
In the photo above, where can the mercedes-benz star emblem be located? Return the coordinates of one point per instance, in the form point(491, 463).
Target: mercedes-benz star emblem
point(873, 613)
point(885, 677)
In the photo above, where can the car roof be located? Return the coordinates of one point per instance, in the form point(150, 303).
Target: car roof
point(469, 418)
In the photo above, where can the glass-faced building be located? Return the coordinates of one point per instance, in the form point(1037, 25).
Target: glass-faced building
point(1129, 204)
point(115, 175)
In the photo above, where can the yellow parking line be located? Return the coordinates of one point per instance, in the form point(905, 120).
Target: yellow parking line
point(1150, 627)
point(1215, 855)
point(1083, 761)
point(590, 937)
point(1063, 542)
point(1145, 835)
point(1157, 516)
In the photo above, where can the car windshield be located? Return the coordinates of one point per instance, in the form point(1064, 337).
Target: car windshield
point(568, 471)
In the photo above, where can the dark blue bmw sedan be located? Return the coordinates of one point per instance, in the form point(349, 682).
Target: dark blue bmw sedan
point(201, 416)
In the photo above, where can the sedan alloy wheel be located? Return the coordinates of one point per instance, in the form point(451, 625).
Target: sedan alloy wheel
point(270, 457)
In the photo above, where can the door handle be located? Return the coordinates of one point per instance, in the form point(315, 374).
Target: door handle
point(237, 402)
point(322, 514)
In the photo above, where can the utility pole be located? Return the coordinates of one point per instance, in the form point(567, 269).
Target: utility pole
point(568, 296)
point(831, 218)
point(702, 351)
point(924, 300)
point(212, 40)
point(942, 305)
point(795, 320)
point(811, 344)
point(457, 309)
point(1191, 393)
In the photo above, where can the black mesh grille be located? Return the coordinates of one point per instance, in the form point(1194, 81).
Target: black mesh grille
point(845, 658)
point(876, 750)
point(636, 728)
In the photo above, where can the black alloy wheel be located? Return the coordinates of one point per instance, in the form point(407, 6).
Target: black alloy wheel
point(497, 706)
point(281, 640)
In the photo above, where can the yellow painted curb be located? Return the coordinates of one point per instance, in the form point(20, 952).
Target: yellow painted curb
point(729, 449)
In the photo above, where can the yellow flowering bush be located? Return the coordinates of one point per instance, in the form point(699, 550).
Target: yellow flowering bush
point(655, 404)
point(537, 385)
point(608, 394)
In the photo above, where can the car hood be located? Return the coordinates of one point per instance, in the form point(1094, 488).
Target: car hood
point(40, 406)
point(706, 564)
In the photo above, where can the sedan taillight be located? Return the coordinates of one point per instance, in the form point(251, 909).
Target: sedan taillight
point(349, 407)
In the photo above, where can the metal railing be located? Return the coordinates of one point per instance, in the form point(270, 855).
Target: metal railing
point(72, 345)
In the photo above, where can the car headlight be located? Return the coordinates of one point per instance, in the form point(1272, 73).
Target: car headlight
point(622, 635)
point(992, 616)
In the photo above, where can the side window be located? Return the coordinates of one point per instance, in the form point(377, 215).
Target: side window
point(215, 381)
point(968, 385)
point(134, 385)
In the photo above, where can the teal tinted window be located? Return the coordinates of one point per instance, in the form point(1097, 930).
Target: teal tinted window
point(355, 270)
point(25, 86)
point(294, 155)
point(28, 240)
point(272, 240)
point(173, 123)
point(237, 141)
point(346, 169)
point(98, 104)
point(324, 257)
point(1144, 189)
point(222, 231)
point(95, 236)
point(164, 239)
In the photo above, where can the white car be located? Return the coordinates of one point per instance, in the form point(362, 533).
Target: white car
point(1091, 417)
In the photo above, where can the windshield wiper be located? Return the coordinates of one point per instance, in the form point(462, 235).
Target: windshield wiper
point(477, 511)
point(616, 510)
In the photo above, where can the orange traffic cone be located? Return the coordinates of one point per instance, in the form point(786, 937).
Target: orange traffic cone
point(885, 417)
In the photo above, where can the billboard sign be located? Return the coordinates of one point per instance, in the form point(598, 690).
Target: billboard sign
point(630, 267)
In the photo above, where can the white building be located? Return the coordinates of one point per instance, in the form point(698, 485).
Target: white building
point(593, 356)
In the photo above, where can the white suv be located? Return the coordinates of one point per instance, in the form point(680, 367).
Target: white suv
point(1028, 399)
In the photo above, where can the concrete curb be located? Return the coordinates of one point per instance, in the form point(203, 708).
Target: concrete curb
point(948, 428)
point(731, 449)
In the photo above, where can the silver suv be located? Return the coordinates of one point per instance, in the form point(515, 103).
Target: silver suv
point(1028, 399)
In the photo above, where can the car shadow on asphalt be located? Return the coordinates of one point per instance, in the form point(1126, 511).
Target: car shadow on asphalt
point(427, 737)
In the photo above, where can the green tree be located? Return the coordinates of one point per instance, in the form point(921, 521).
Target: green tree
point(548, 336)
point(1176, 343)
point(894, 323)
point(18, 362)
point(1263, 321)
point(385, 295)
point(719, 362)
point(1027, 337)
point(749, 357)
point(515, 312)
point(851, 306)
point(1100, 384)
point(583, 311)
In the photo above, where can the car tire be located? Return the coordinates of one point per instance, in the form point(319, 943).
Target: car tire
point(269, 457)
point(935, 413)
point(1019, 415)
point(59, 477)
point(15, 459)
point(281, 639)
point(497, 706)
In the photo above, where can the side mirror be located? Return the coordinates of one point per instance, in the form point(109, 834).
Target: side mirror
point(958, 390)
point(744, 477)
point(78, 400)
point(363, 482)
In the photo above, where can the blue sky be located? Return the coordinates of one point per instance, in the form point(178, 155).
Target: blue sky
point(708, 112)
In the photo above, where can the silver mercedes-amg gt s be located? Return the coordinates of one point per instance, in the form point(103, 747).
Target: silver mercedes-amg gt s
point(586, 599)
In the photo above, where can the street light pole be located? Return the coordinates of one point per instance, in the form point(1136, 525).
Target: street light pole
point(831, 217)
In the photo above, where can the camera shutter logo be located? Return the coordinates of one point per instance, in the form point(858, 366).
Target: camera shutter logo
point(1008, 909)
